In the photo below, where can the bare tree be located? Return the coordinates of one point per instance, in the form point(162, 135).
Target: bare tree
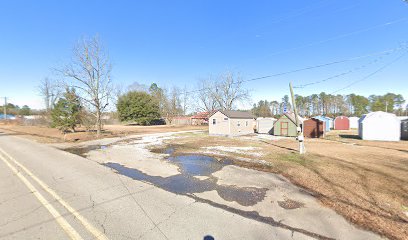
point(185, 102)
point(173, 106)
point(205, 94)
point(90, 74)
point(50, 92)
point(228, 90)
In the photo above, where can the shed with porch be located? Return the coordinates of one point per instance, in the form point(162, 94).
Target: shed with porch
point(231, 123)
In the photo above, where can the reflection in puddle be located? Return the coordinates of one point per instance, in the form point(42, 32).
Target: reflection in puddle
point(185, 183)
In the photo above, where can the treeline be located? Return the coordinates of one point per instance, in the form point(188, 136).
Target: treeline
point(332, 105)
point(16, 110)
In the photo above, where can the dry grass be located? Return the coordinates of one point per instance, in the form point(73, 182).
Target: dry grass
point(366, 182)
point(49, 135)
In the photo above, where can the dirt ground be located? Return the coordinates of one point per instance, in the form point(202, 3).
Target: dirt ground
point(52, 135)
point(365, 181)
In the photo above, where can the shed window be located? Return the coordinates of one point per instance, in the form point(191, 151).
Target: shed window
point(238, 124)
point(225, 119)
point(214, 121)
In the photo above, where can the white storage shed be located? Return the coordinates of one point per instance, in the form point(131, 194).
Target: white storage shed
point(379, 126)
point(354, 122)
point(265, 125)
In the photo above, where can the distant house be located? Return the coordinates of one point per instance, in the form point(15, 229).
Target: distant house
point(379, 126)
point(341, 123)
point(231, 123)
point(353, 122)
point(200, 118)
point(404, 129)
point(286, 125)
point(314, 128)
point(328, 122)
point(265, 125)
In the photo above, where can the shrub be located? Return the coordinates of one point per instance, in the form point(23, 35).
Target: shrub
point(138, 107)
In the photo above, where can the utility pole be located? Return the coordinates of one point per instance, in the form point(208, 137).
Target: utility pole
point(5, 108)
point(300, 138)
point(386, 106)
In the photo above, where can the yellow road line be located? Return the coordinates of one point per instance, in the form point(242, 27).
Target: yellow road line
point(94, 231)
point(57, 216)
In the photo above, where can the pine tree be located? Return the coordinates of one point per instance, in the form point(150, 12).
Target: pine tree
point(66, 113)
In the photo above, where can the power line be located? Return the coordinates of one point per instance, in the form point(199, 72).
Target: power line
point(349, 71)
point(373, 73)
point(305, 68)
point(340, 36)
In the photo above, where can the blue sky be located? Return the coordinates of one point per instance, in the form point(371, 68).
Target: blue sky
point(178, 42)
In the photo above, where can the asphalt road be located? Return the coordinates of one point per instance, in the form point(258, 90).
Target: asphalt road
point(46, 193)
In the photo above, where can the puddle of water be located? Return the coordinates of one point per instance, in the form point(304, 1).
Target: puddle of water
point(186, 184)
point(198, 164)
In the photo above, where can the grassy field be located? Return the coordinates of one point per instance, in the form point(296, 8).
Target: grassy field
point(366, 182)
point(49, 135)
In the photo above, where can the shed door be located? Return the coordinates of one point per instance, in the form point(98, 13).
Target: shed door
point(284, 128)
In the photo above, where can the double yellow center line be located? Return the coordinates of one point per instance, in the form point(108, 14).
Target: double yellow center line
point(71, 232)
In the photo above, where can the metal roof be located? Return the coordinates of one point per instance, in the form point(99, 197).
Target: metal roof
point(236, 114)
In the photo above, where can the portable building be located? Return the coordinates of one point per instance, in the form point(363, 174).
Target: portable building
point(404, 129)
point(354, 122)
point(341, 123)
point(200, 118)
point(328, 122)
point(265, 125)
point(314, 128)
point(227, 122)
point(379, 126)
point(286, 125)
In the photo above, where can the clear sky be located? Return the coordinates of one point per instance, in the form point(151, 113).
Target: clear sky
point(178, 42)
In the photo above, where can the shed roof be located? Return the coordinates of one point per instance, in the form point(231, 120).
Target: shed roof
point(378, 114)
point(236, 114)
point(291, 117)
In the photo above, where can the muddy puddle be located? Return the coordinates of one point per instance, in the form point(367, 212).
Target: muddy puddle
point(186, 183)
point(195, 175)
point(82, 151)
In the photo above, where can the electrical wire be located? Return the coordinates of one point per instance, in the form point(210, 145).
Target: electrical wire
point(306, 68)
point(373, 73)
point(349, 71)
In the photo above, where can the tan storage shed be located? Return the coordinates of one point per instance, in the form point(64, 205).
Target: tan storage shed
point(265, 125)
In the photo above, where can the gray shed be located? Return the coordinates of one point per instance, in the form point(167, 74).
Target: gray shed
point(265, 125)
point(404, 129)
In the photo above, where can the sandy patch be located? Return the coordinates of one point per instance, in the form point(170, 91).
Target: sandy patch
point(239, 150)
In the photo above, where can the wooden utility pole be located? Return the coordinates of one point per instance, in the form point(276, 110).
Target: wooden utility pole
point(300, 138)
point(5, 108)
